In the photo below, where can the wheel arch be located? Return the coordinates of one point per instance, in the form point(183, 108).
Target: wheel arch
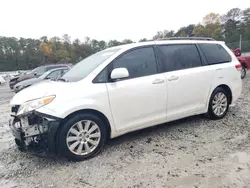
point(90, 111)
point(243, 64)
point(227, 89)
point(210, 112)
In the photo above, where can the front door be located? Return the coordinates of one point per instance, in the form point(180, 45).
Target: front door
point(140, 100)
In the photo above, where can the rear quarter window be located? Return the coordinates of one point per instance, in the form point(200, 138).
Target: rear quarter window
point(215, 53)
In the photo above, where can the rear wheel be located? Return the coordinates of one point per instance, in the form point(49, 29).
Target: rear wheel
point(218, 104)
point(243, 72)
point(82, 136)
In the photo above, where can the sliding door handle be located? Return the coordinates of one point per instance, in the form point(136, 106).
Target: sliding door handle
point(172, 78)
point(219, 69)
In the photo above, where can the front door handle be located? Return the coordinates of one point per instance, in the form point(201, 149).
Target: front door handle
point(158, 81)
point(173, 78)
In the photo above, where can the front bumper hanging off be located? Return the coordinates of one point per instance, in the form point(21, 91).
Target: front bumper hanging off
point(35, 133)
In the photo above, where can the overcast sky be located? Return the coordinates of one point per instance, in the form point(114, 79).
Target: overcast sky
point(105, 19)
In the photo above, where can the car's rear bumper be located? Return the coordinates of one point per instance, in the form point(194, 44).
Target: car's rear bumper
point(40, 144)
point(236, 91)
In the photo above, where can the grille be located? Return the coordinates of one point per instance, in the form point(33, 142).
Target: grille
point(13, 79)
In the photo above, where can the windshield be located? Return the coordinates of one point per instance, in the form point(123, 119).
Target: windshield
point(38, 70)
point(28, 72)
point(87, 65)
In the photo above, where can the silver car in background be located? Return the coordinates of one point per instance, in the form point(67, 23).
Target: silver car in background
point(52, 74)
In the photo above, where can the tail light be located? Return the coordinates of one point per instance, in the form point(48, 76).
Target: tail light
point(238, 67)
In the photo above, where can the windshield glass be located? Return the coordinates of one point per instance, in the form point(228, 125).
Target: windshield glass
point(38, 70)
point(87, 65)
point(28, 72)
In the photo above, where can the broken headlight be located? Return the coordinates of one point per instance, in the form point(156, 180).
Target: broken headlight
point(34, 104)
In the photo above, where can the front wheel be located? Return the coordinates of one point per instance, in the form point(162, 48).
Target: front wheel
point(218, 104)
point(82, 137)
point(243, 73)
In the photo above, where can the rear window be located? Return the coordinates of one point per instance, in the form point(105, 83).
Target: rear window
point(215, 53)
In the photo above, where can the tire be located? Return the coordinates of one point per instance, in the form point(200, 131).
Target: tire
point(224, 104)
point(67, 132)
point(243, 72)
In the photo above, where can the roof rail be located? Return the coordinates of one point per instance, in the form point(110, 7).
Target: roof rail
point(188, 38)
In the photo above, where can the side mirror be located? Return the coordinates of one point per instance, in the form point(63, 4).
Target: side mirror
point(119, 73)
point(35, 73)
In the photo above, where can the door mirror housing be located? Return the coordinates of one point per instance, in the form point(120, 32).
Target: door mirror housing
point(35, 73)
point(119, 73)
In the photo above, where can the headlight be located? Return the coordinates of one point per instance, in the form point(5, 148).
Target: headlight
point(19, 87)
point(35, 104)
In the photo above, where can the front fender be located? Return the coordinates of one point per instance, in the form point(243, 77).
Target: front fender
point(71, 106)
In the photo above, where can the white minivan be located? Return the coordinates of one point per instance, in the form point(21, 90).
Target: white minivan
point(123, 89)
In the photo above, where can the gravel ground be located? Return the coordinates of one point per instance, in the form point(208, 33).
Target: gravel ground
point(193, 152)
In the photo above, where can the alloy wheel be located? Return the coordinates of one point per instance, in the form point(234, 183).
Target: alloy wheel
point(83, 137)
point(219, 104)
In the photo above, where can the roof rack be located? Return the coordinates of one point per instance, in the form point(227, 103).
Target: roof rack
point(188, 38)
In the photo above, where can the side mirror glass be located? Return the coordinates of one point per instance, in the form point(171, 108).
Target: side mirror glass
point(119, 73)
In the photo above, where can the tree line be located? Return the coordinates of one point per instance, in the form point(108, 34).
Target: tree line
point(27, 53)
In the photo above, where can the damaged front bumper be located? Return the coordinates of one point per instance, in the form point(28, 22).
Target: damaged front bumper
point(35, 133)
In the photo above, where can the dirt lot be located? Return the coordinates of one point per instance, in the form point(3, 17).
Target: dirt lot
point(194, 152)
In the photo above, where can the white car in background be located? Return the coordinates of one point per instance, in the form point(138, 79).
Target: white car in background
point(123, 89)
point(2, 80)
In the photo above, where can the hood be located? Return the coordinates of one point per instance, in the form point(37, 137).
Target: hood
point(41, 89)
point(25, 77)
point(28, 82)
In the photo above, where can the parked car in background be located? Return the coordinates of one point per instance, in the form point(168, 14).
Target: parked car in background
point(123, 89)
point(244, 60)
point(35, 73)
point(52, 74)
point(2, 80)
